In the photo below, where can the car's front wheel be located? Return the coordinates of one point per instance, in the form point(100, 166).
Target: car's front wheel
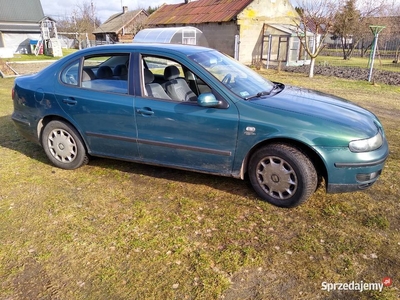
point(282, 175)
point(63, 145)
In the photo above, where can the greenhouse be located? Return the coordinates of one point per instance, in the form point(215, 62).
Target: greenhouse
point(172, 35)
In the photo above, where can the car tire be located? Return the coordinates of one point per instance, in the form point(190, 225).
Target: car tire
point(282, 175)
point(64, 146)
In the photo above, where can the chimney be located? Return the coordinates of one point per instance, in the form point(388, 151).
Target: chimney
point(187, 1)
point(124, 9)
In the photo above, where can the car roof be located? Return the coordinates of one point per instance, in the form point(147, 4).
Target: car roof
point(184, 49)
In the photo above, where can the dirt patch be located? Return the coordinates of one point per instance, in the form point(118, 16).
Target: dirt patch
point(386, 77)
point(5, 69)
point(23, 67)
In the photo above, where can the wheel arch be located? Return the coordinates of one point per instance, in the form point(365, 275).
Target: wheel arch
point(47, 119)
point(315, 158)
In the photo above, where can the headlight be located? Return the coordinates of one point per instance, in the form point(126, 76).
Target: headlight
point(366, 144)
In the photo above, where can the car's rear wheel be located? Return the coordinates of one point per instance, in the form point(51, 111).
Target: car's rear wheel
point(282, 175)
point(63, 145)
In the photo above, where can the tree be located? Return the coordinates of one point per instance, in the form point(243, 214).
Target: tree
point(151, 9)
point(346, 25)
point(352, 23)
point(80, 23)
point(316, 17)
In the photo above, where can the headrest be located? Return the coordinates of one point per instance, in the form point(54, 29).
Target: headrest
point(171, 72)
point(120, 70)
point(148, 76)
point(104, 72)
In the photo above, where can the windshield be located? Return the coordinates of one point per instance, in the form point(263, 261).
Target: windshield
point(240, 79)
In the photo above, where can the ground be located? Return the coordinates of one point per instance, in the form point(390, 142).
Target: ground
point(22, 68)
point(118, 230)
point(386, 77)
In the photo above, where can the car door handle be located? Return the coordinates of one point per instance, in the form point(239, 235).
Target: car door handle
point(145, 111)
point(69, 101)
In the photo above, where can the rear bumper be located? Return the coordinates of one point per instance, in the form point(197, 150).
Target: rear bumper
point(25, 127)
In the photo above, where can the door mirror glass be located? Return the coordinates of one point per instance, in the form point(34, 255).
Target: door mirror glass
point(207, 100)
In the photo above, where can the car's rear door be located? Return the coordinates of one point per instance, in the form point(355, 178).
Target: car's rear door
point(183, 134)
point(100, 105)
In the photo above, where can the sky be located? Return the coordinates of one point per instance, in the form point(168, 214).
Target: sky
point(103, 9)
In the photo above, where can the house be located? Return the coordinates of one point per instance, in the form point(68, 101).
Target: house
point(251, 31)
point(121, 27)
point(19, 23)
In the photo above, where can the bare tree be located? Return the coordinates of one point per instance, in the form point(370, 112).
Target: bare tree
point(352, 22)
point(316, 17)
point(81, 23)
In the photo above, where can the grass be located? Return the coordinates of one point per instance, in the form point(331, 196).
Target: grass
point(359, 62)
point(32, 57)
point(117, 230)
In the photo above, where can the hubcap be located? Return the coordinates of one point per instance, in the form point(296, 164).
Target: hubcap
point(62, 145)
point(276, 177)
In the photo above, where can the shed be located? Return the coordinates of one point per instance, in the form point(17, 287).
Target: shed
point(172, 35)
point(19, 23)
point(121, 27)
point(281, 44)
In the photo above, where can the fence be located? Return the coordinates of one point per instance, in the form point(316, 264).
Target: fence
point(387, 55)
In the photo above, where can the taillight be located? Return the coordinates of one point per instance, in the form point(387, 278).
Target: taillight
point(12, 93)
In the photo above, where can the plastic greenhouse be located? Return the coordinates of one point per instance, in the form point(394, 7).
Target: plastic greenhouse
point(172, 35)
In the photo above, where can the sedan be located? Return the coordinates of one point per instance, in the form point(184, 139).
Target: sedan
point(193, 108)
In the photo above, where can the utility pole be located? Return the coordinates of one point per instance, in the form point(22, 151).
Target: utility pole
point(375, 30)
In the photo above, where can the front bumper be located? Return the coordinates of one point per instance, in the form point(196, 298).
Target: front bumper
point(348, 171)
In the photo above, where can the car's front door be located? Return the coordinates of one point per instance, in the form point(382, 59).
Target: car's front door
point(184, 134)
point(100, 106)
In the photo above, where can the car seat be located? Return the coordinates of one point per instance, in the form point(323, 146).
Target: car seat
point(176, 87)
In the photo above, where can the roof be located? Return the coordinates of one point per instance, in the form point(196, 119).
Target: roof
point(21, 11)
point(116, 22)
point(155, 48)
point(166, 34)
point(196, 12)
point(289, 29)
point(18, 27)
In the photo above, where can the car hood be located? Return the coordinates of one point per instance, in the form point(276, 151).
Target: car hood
point(323, 107)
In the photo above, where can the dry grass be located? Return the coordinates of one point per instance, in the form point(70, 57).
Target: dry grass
point(117, 230)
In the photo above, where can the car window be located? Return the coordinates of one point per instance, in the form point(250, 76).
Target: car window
point(70, 74)
point(157, 65)
point(108, 73)
point(238, 78)
point(169, 80)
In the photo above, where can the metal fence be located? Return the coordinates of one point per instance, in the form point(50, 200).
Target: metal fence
point(387, 55)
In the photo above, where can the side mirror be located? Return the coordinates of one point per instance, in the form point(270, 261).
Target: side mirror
point(207, 100)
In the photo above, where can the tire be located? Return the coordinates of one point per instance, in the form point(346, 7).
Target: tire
point(63, 146)
point(282, 175)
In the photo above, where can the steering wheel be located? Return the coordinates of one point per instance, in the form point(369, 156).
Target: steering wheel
point(227, 78)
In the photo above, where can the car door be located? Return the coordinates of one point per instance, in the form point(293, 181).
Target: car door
point(100, 105)
point(184, 134)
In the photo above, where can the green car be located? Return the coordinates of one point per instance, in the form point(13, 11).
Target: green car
point(193, 108)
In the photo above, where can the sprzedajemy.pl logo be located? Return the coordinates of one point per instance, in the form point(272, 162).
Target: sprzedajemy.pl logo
point(356, 286)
